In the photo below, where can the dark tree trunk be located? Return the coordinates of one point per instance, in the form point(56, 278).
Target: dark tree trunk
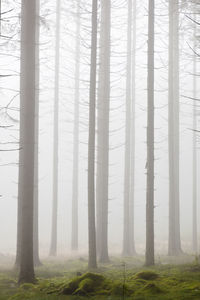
point(150, 142)
point(27, 132)
point(92, 263)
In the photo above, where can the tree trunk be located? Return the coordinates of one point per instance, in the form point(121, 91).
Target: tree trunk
point(128, 247)
point(150, 142)
point(132, 154)
point(103, 133)
point(92, 263)
point(174, 211)
point(53, 247)
point(36, 162)
point(75, 184)
point(19, 213)
point(194, 209)
point(27, 132)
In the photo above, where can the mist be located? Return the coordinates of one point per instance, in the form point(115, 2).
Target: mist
point(99, 125)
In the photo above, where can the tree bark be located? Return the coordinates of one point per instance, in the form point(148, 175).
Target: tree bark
point(27, 132)
point(149, 257)
point(92, 262)
point(103, 133)
point(53, 246)
point(174, 211)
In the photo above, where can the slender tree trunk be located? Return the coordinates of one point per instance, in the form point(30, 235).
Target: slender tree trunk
point(132, 155)
point(150, 142)
point(75, 184)
point(174, 211)
point(53, 247)
point(27, 132)
point(103, 133)
point(36, 164)
point(194, 209)
point(92, 263)
point(127, 249)
point(19, 213)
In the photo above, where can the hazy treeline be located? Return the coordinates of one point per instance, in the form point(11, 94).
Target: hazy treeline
point(99, 129)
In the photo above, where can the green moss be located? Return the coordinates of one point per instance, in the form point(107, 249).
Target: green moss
point(147, 275)
point(71, 287)
point(162, 282)
point(120, 289)
point(153, 288)
point(86, 286)
point(27, 286)
point(87, 283)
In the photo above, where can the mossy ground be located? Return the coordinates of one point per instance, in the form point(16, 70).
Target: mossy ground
point(120, 279)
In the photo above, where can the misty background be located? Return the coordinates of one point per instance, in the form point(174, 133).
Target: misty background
point(9, 90)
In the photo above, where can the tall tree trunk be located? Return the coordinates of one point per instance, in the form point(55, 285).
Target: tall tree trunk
point(92, 263)
point(53, 247)
point(194, 209)
point(174, 211)
point(36, 136)
point(127, 247)
point(150, 142)
point(75, 183)
point(103, 133)
point(36, 164)
point(132, 154)
point(27, 132)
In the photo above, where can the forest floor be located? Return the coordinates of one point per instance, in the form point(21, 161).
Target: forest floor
point(172, 278)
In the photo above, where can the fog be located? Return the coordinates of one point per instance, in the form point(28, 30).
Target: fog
point(9, 116)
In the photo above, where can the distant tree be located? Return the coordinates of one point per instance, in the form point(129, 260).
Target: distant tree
point(103, 133)
point(27, 132)
point(92, 263)
point(195, 123)
point(75, 182)
point(53, 246)
point(128, 232)
point(132, 154)
point(173, 123)
point(149, 257)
